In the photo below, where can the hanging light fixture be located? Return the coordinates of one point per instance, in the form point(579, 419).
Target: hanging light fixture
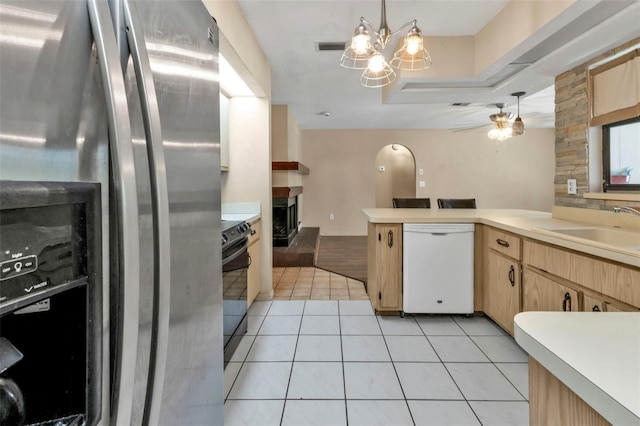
point(364, 54)
point(517, 128)
point(502, 131)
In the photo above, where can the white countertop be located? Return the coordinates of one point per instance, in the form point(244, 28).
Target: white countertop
point(527, 223)
point(249, 212)
point(247, 217)
point(595, 354)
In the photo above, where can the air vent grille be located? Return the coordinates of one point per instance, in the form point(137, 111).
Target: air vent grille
point(331, 46)
point(461, 104)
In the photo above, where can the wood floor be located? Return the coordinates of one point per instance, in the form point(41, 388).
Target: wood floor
point(343, 255)
point(346, 256)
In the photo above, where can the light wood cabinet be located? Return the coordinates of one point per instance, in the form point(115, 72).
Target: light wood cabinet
point(501, 276)
point(502, 289)
point(608, 278)
point(551, 402)
point(253, 274)
point(593, 304)
point(541, 293)
point(503, 242)
point(384, 266)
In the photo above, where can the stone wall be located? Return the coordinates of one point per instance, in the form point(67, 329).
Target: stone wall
point(572, 133)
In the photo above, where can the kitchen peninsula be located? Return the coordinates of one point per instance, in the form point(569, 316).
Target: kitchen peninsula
point(536, 261)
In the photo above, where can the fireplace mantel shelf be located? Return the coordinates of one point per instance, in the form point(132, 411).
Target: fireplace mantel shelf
point(285, 191)
point(289, 166)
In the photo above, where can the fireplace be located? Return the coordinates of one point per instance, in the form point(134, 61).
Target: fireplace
point(285, 220)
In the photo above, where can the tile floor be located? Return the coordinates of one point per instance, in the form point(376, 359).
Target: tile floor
point(329, 362)
point(303, 283)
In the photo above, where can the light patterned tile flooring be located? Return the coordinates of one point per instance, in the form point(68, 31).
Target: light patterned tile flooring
point(331, 363)
point(309, 283)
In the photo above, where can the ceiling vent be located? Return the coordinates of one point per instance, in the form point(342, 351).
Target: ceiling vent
point(461, 104)
point(330, 46)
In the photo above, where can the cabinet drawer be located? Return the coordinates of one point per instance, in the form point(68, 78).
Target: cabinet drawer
point(503, 242)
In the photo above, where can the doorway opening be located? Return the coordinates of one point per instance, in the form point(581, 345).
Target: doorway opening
point(395, 175)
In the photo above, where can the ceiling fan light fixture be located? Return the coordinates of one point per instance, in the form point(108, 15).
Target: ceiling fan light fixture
point(500, 133)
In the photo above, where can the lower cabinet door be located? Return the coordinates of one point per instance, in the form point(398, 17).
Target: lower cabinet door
point(502, 290)
point(592, 304)
point(543, 294)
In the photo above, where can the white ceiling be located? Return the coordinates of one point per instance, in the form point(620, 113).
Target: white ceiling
point(311, 82)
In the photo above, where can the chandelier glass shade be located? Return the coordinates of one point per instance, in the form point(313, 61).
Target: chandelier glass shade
point(366, 53)
point(500, 133)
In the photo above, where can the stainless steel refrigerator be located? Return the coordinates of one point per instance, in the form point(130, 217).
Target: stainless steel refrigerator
point(126, 93)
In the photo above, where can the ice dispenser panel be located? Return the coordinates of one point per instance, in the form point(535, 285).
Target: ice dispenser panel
point(50, 303)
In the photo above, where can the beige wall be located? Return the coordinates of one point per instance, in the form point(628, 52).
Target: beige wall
point(517, 173)
point(249, 175)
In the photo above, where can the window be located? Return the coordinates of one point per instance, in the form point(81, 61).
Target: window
point(621, 155)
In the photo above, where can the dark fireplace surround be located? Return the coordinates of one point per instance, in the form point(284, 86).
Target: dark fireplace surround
point(285, 220)
point(285, 204)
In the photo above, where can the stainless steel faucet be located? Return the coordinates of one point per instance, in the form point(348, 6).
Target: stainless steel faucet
point(620, 209)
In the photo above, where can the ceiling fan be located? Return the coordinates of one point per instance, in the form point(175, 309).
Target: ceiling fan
point(503, 129)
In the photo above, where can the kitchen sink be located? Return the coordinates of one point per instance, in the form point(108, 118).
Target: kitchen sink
point(629, 240)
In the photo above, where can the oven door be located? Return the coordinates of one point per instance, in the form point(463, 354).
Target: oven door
point(235, 264)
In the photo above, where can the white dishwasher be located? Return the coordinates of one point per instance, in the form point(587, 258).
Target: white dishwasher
point(437, 268)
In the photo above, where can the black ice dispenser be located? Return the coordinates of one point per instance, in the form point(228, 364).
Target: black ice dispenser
point(50, 303)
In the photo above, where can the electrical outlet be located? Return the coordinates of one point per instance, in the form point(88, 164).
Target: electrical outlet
point(422, 184)
point(330, 216)
point(572, 186)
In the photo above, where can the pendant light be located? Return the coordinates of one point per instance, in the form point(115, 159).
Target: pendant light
point(517, 128)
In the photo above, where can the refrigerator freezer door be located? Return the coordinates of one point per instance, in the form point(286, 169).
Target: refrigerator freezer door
point(53, 114)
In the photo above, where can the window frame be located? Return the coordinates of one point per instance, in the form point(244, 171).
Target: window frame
point(607, 186)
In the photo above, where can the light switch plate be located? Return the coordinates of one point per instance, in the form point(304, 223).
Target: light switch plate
point(422, 184)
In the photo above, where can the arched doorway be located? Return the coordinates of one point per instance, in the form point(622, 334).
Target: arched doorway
point(395, 174)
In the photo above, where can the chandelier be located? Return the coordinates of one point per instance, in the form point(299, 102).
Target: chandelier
point(367, 54)
point(503, 131)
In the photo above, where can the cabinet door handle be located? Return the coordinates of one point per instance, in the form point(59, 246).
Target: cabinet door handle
point(503, 243)
point(390, 239)
point(566, 303)
point(512, 276)
point(379, 236)
point(595, 308)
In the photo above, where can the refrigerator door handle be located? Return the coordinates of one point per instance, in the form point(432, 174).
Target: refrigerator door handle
point(160, 207)
point(124, 180)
